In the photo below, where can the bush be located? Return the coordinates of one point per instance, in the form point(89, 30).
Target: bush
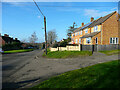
point(55, 45)
point(63, 43)
point(12, 46)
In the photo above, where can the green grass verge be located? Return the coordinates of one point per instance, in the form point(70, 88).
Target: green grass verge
point(17, 51)
point(110, 52)
point(104, 75)
point(66, 54)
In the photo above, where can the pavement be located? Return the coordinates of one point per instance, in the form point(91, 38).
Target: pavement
point(31, 68)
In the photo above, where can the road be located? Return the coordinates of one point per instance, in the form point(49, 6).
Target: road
point(12, 63)
point(24, 70)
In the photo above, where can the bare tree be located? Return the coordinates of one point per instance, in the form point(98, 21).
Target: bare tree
point(52, 36)
point(33, 38)
point(24, 40)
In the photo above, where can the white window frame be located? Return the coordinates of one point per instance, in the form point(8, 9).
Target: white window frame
point(79, 40)
point(86, 30)
point(95, 28)
point(76, 41)
point(114, 38)
point(76, 33)
point(88, 39)
point(81, 32)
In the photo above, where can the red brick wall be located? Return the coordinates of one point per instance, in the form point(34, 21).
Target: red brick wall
point(2, 42)
point(110, 29)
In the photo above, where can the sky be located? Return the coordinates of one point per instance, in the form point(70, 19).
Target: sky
point(21, 19)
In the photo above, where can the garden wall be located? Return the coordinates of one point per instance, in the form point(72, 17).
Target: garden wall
point(87, 48)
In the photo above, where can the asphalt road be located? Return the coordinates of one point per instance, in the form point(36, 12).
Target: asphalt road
point(24, 70)
point(12, 63)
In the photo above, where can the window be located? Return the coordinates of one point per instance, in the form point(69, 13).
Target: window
point(88, 40)
point(80, 40)
point(76, 33)
point(114, 40)
point(86, 30)
point(76, 40)
point(96, 40)
point(73, 34)
point(81, 32)
point(95, 28)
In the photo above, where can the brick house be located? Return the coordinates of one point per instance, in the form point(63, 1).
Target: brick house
point(102, 31)
point(7, 40)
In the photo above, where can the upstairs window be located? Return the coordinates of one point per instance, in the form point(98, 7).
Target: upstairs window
point(86, 30)
point(81, 32)
point(73, 34)
point(114, 40)
point(76, 33)
point(95, 28)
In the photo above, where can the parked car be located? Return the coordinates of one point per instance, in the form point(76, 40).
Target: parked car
point(1, 51)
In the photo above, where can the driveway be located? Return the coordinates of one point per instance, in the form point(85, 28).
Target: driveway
point(39, 69)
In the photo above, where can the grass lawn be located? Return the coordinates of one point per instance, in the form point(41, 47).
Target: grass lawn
point(110, 52)
point(17, 51)
point(66, 54)
point(104, 75)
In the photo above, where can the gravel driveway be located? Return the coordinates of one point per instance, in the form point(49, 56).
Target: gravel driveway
point(40, 69)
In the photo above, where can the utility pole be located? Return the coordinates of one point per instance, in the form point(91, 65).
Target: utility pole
point(45, 35)
point(44, 27)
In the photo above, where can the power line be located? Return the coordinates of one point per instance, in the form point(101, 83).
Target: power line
point(38, 8)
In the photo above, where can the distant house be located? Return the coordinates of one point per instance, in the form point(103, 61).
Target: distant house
point(7, 40)
point(102, 31)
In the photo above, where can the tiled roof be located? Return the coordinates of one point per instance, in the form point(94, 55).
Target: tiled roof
point(77, 29)
point(95, 22)
point(102, 19)
point(90, 35)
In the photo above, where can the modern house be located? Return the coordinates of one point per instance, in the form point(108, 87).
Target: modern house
point(102, 31)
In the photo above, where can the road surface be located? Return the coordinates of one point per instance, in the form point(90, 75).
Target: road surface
point(24, 70)
point(12, 63)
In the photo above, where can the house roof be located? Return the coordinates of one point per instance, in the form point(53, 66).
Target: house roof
point(95, 22)
point(9, 39)
point(77, 29)
point(102, 19)
point(90, 35)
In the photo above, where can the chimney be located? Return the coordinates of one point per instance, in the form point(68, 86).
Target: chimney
point(6, 35)
point(82, 24)
point(15, 38)
point(92, 19)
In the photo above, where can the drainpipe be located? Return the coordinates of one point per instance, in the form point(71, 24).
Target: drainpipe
point(101, 34)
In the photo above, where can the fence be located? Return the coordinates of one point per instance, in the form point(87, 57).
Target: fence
point(87, 48)
point(67, 48)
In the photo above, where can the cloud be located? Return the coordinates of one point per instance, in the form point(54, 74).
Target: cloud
point(39, 16)
point(96, 13)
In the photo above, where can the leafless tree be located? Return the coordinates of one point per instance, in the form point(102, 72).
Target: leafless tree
point(52, 36)
point(24, 40)
point(33, 38)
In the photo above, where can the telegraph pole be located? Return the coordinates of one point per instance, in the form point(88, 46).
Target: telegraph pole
point(45, 35)
point(44, 27)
